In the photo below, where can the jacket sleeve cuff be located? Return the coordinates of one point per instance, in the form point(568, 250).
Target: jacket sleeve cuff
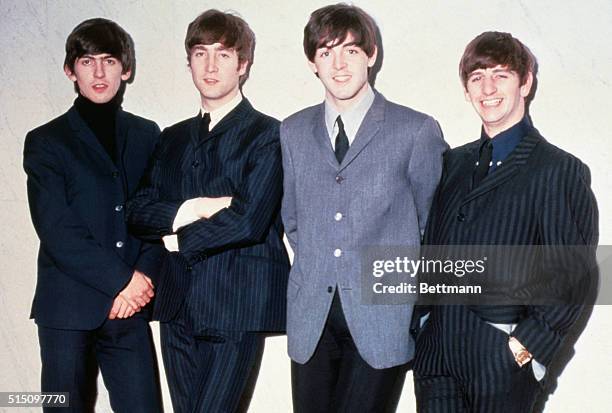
point(538, 338)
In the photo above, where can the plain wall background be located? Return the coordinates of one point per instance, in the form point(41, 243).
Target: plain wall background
point(422, 42)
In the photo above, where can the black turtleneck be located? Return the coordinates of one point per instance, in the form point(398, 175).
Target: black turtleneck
point(101, 118)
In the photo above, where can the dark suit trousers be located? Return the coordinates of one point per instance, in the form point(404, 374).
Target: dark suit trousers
point(123, 350)
point(337, 379)
point(208, 371)
point(464, 364)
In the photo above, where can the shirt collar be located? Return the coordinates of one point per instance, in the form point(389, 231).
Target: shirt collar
point(505, 142)
point(219, 113)
point(351, 117)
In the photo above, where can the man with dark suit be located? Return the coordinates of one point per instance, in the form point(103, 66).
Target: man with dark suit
point(94, 278)
point(214, 195)
point(509, 188)
point(359, 171)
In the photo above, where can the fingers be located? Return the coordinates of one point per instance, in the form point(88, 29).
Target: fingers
point(148, 280)
point(123, 308)
point(115, 308)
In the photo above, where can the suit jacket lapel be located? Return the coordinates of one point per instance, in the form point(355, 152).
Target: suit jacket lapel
point(510, 167)
point(232, 119)
point(86, 135)
point(370, 126)
point(321, 137)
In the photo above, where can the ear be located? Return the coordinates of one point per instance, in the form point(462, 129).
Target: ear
point(125, 76)
point(313, 67)
point(372, 59)
point(242, 67)
point(526, 87)
point(466, 94)
point(69, 73)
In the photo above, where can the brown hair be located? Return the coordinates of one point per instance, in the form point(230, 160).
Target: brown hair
point(490, 49)
point(214, 26)
point(333, 24)
point(97, 36)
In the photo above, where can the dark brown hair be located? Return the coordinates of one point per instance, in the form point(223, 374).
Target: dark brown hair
point(97, 36)
point(214, 26)
point(333, 24)
point(490, 49)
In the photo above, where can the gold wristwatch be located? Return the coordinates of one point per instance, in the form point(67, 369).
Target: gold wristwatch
point(521, 355)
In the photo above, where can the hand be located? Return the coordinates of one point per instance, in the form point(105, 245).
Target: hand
point(207, 207)
point(139, 291)
point(121, 309)
point(521, 355)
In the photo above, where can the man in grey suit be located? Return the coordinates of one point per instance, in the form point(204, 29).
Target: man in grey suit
point(359, 171)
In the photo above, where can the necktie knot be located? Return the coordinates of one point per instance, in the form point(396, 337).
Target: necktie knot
point(342, 143)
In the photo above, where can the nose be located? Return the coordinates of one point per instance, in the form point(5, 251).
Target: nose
point(339, 62)
point(488, 86)
point(211, 63)
point(99, 69)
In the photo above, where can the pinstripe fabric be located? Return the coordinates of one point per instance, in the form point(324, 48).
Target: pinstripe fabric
point(208, 372)
point(470, 367)
point(232, 268)
point(540, 196)
point(230, 276)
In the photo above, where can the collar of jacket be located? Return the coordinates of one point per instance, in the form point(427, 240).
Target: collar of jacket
point(370, 126)
point(232, 119)
point(517, 158)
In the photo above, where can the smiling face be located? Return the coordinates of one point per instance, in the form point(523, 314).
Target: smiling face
point(498, 97)
point(97, 76)
point(343, 70)
point(216, 72)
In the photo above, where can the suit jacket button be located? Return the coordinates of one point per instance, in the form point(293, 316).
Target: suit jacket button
point(118, 208)
point(115, 174)
point(119, 244)
point(195, 164)
point(330, 289)
point(339, 179)
point(189, 268)
point(460, 217)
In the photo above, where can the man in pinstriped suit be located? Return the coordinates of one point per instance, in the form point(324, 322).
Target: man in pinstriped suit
point(510, 187)
point(213, 195)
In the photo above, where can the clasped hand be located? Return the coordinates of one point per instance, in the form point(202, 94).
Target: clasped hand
point(133, 297)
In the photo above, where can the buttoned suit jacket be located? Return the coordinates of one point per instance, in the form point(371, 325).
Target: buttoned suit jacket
point(76, 197)
point(237, 255)
point(540, 195)
point(383, 189)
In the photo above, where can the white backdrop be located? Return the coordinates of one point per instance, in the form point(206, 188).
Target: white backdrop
point(422, 43)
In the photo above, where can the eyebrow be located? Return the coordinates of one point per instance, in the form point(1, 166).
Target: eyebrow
point(351, 44)
point(103, 56)
point(204, 48)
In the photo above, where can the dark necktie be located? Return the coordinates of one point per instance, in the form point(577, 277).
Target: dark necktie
point(483, 163)
point(204, 123)
point(342, 143)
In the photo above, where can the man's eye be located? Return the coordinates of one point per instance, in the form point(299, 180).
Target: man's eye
point(324, 54)
point(85, 62)
point(110, 61)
